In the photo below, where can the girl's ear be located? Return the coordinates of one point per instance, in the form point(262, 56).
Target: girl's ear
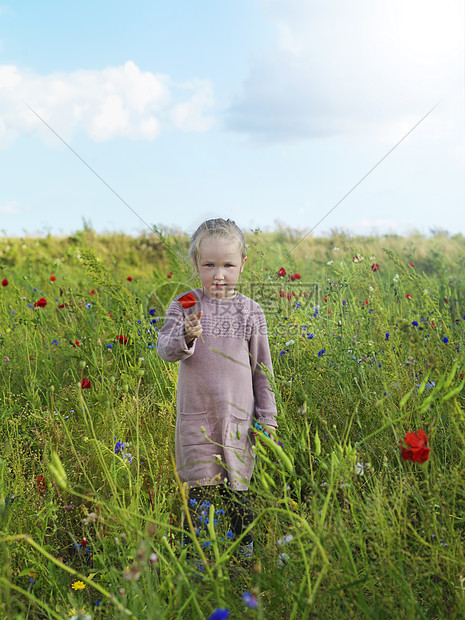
point(242, 266)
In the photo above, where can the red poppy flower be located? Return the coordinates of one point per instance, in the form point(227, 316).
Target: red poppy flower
point(295, 276)
point(122, 339)
point(325, 299)
point(411, 265)
point(92, 292)
point(432, 324)
point(85, 384)
point(62, 305)
point(77, 343)
point(4, 282)
point(282, 272)
point(41, 484)
point(445, 300)
point(416, 449)
point(129, 279)
point(375, 267)
point(52, 277)
point(188, 300)
point(408, 296)
point(84, 542)
point(41, 303)
point(169, 275)
point(110, 314)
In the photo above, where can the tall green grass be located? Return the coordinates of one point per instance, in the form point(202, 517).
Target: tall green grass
point(90, 507)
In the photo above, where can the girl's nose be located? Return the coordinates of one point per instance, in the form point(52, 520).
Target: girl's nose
point(219, 274)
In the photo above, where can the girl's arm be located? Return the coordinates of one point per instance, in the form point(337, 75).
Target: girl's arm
point(259, 349)
point(171, 343)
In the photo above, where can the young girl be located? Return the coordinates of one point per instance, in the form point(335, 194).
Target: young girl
point(219, 336)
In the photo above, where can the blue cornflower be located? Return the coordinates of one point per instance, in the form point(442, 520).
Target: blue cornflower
point(282, 353)
point(415, 323)
point(193, 502)
point(230, 534)
point(153, 312)
point(310, 336)
point(109, 346)
point(153, 321)
point(89, 306)
point(321, 353)
point(219, 614)
point(344, 302)
point(315, 314)
point(250, 600)
point(119, 447)
point(55, 342)
point(386, 336)
point(445, 339)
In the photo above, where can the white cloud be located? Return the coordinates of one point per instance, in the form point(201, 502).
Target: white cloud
point(349, 67)
point(117, 101)
point(13, 207)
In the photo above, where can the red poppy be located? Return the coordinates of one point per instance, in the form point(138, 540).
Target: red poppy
point(296, 276)
point(169, 275)
point(416, 449)
point(282, 272)
point(4, 282)
point(41, 484)
point(84, 542)
point(110, 314)
point(411, 265)
point(52, 277)
point(92, 292)
point(122, 339)
point(325, 299)
point(129, 279)
point(187, 301)
point(85, 384)
point(375, 267)
point(63, 305)
point(77, 343)
point(445, 300)
point(408, 296)
point(41, 303)
point(432, 324)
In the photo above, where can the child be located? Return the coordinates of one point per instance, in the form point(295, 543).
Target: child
point(221, 344)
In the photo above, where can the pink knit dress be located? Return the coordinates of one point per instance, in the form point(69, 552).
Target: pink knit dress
point(221, 388)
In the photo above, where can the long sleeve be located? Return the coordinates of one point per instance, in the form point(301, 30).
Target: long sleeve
point(259, 349)
point(171, 343)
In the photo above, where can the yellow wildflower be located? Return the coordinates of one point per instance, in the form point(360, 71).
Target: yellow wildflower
point(78, 585)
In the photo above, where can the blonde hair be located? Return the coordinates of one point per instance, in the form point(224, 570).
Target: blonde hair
point(216, 229)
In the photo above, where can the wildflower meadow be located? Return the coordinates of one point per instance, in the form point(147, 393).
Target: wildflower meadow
point(359, 499)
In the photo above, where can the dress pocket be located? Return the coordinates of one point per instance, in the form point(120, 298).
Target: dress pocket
point(193, 428)
point(237, 432)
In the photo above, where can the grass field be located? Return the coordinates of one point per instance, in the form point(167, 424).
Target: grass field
point(367, 340)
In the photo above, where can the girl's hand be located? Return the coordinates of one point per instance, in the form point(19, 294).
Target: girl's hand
point(192, 327)
point(269, 430)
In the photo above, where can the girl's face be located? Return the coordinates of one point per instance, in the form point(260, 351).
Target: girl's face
point(219, 267)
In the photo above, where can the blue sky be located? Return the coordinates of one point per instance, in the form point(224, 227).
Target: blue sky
point(263, 111)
